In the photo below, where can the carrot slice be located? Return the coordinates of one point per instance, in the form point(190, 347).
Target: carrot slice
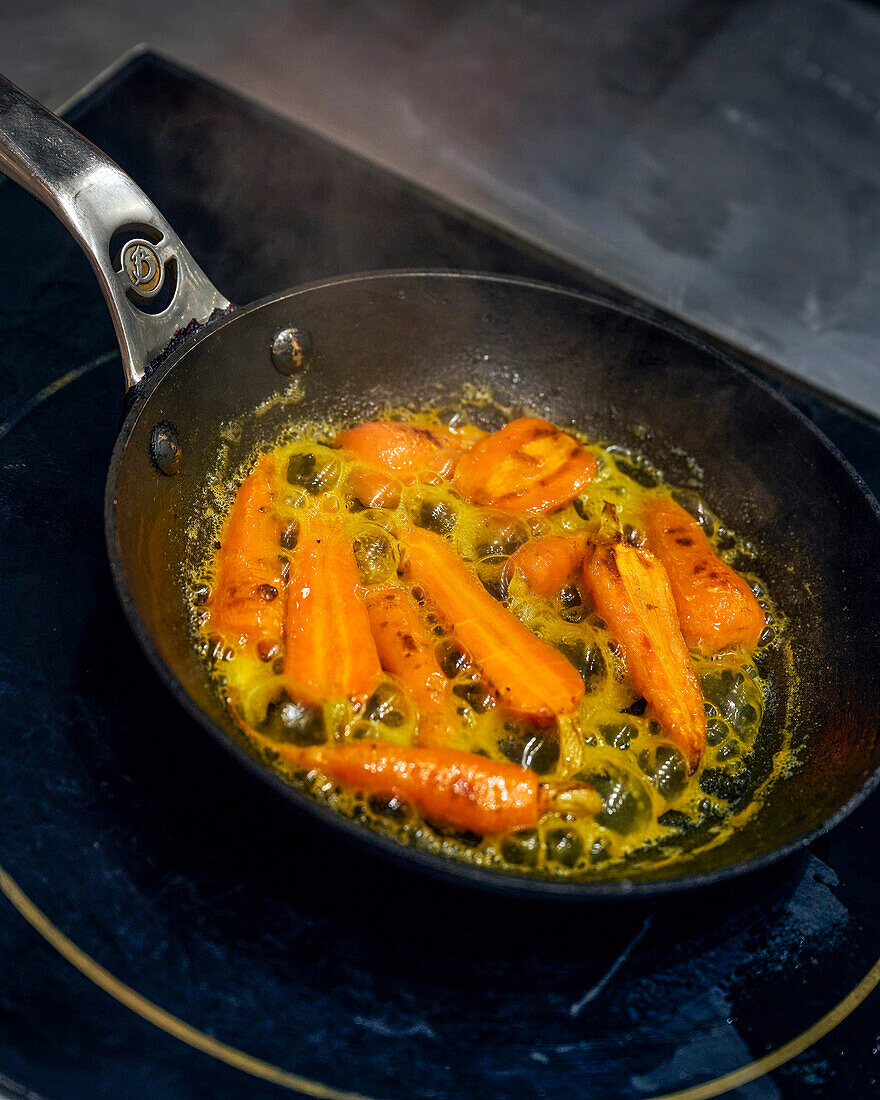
point(401, 449)
point(716, 607)
point(246, 601)
point(548, 563)
point(530, 677)
point(406, 650)
point(527, 466)
point(329, 648)
point(631, 592)
point(446, 786)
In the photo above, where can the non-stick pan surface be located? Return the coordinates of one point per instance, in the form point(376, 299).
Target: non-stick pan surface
point(420, 337)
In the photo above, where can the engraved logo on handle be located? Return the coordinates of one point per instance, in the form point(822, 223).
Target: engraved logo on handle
point(144, 268)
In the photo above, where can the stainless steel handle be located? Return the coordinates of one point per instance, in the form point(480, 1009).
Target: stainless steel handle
point(153, 286)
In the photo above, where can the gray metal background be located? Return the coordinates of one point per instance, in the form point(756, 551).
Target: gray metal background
point(720, 158)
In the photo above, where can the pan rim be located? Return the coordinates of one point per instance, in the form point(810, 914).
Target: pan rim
point(440, 867)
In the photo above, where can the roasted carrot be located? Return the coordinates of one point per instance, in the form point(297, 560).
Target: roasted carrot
point(529, 677)
point(548, 563)
point(631, 592)
point(329, 650)
point(716, 608)
point(402, 449)
point(527, 466)
point(448, 787)
point(246, 602)
point(406, 650)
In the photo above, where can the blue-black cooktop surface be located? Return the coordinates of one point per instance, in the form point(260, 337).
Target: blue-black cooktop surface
point(169, 929)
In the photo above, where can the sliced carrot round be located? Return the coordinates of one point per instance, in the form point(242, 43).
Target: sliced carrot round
point(527, 466)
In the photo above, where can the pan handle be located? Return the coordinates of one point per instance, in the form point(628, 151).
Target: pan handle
point(153, 286)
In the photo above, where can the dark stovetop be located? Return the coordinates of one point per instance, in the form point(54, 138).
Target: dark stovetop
point(184, 934)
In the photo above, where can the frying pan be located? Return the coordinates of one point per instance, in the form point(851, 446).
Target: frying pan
point(346, 347)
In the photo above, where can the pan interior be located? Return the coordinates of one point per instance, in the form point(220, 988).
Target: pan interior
point(399, 338)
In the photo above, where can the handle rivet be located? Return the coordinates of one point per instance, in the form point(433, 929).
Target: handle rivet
point(292, 350)
point(143, 268)
point(164, 448)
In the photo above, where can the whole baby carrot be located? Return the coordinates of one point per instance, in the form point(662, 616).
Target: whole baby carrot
point(631, 592)
point(446, 786)
point(716, 607)
point(246, 602)
point(528, 466)
point(529, 676)
point(407, 651)
point(548, 563)
point(329, 650)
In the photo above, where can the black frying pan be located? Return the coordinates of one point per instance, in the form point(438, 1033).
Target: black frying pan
point(362, 342)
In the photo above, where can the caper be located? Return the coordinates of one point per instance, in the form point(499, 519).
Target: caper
point(452, 417)
point(639, 471)
point(674, 819)
point(200, 595)
point(295, 723)
point(435, 515)
point(476, 695)
point(570, 596)
point(626, 802)
point(583, 506)
point(290, 535)
point(638, 708)
point(632, 536)
point(391, 807)
point(717, 730)
point(493, 577)
point(693, 504)
point(668, 771)
point(267, 651)
point(375, 555)
point(586, 657)
point(522, 849)
point(488, 417)
point(451, 658)
point(571, 609)
point(599, 852)
point(534, 748)
point(315, 473)
point(619, 735)
point(563, 846)
point(386, 706)
point(729, 751)
point(499, 533)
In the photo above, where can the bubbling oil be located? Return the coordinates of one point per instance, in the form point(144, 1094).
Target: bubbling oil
point(652, 811)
